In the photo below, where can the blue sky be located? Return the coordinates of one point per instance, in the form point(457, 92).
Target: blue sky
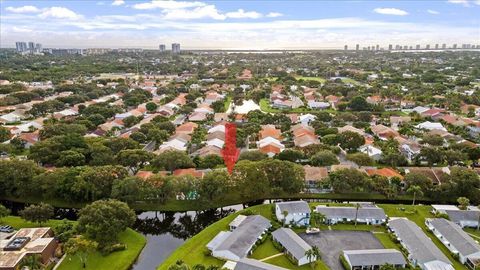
point(238, 24)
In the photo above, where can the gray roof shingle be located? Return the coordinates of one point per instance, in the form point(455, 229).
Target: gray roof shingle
point(462, 215)
point(420, 247)
point(250, 264)
point(374, 257)
point(245, 235)
point(291, 242)
point(349, 212)
point(455, 236)
point(294, 207)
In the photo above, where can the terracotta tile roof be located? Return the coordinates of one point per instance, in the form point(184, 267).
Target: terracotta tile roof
point(315, 173)
point(270, 148)
point(191, 171)
point(387, 172)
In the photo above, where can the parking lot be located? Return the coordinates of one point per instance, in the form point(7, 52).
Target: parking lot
point(331, 244)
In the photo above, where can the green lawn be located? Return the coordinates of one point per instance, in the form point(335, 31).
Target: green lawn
point(264, 250)
point(228, 100)
point(284, 262)
point(18, 223)
point(350, 80)
point(194, 250)
point(120, 260)
point(318, 79)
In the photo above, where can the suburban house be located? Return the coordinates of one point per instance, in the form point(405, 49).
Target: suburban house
point(305, 119)
point(270, 146)
point(373, 258)
point(294, 246)
point(236, 244)
point(251, 264)
point(385, 172)
point(314, 175)
point(296, 212)
point(422, 252)
point(456, 240)
point(384, 132)
point(372, 151)
point(27, 242)
point(367, 214)
point(430, 126)
point(464, 218)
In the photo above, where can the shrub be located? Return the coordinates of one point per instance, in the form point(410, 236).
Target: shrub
point(112, 248)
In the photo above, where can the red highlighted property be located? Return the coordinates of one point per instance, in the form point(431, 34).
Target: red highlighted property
point(230, 152)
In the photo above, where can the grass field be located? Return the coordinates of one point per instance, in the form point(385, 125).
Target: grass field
point(318, 79)
point(121, 260)
point(18, 223)
point(284, 262)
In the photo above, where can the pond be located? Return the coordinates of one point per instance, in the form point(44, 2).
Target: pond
point(164, 231)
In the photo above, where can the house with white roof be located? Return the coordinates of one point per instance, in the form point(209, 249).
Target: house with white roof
point(430, 126)
point(305, 119)
point(216, 142)
point(372, 151)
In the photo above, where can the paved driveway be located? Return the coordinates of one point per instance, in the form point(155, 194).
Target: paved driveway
point(331, 244)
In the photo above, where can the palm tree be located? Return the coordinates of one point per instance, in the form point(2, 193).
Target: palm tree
point(415, 190)
point(317, 218)
point(313, 255)
point(357, 206)
point(32, 262)
point(285, 214)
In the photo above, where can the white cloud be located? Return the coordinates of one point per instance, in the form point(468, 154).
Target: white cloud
point(477, 2)
point(276, 14)
point(239, 14)
point(118, 3)
point(459, 2)
point(59, 13)
point(161, 4)
point(434, 12)
point(21, 30)
point(208, 11)
point(391, 11)
point(24, 9)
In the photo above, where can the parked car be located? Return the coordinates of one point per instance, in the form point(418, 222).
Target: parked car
point(6, 229)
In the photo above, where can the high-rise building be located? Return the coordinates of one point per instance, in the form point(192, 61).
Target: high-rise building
point(417, 47)
point(377, 47)
point(345, 47)
point(390, 47)
point(427, 47)
point(368, 48)
point(454, 46)
point(436, 46)
point(162, 48)
point(31, 46)
point(444, 46)
point(357, 47)
point(405, 47)
point(411, 47)
point(21, 46)
point(175, 48)
point(38, 48)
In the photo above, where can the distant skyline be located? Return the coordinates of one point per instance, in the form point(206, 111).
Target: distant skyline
point(238, 24)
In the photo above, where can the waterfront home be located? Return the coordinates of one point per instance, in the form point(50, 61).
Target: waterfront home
point(251, 264)
point(237, 244)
